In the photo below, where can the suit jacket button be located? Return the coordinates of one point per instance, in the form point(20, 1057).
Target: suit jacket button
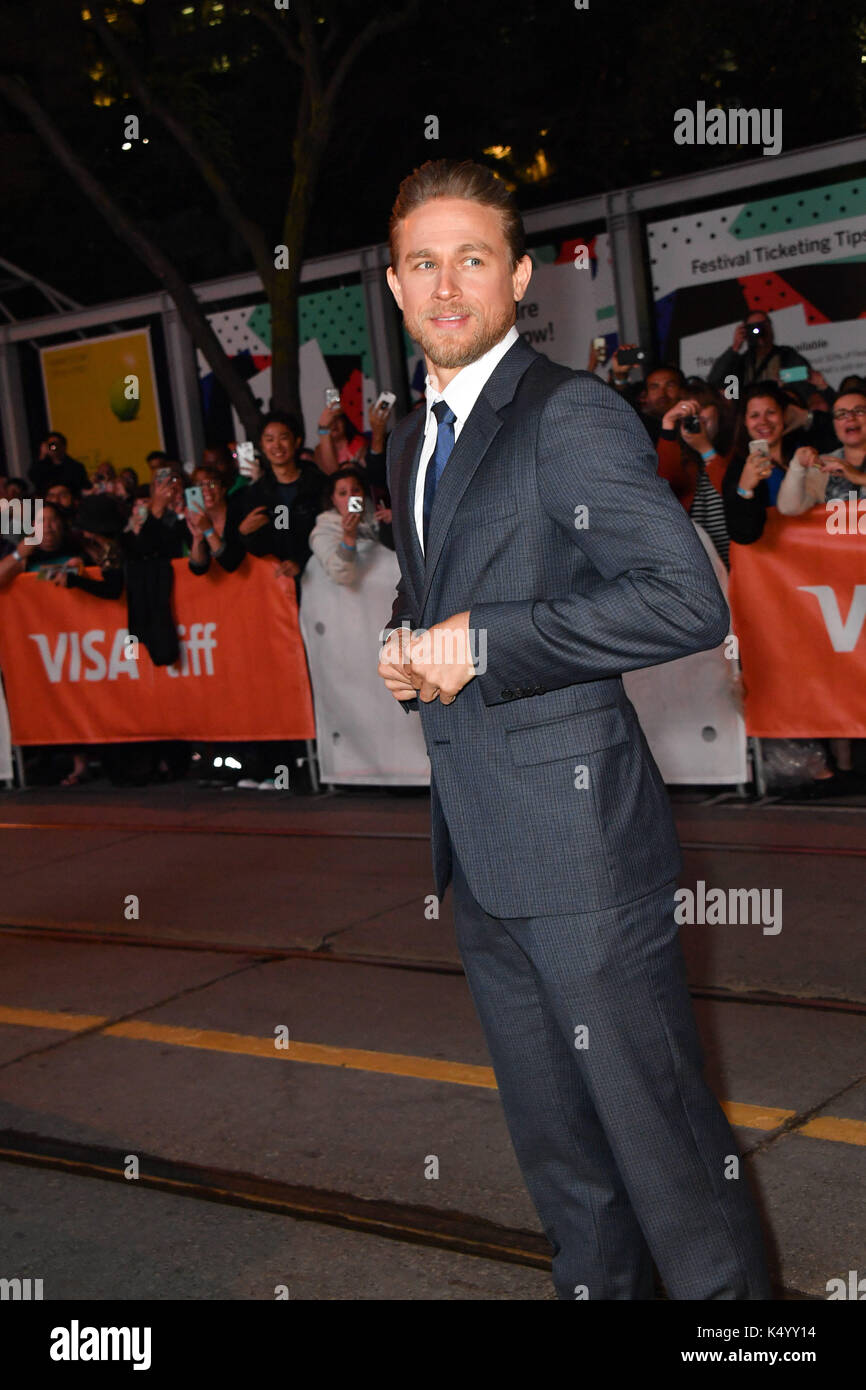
point(508, 694)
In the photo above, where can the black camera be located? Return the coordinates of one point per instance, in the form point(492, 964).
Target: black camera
point(692, 423)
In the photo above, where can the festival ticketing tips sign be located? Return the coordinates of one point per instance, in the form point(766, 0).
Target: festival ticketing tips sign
point(569, 301)
point(800, 257)
point(101, 393)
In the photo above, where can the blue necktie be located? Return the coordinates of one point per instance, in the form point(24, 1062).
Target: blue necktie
point(435, 468)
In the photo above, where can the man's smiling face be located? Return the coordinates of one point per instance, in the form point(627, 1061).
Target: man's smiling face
point(454, 281)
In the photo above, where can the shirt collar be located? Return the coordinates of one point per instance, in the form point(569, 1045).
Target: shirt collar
point(463, 390)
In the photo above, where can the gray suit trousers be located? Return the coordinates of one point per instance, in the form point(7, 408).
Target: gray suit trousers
point(622, 1145)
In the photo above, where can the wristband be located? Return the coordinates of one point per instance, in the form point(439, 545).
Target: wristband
point(710, 453)
point(745, 492)
point(208, 532)
point(350, 548)
point(324, 430)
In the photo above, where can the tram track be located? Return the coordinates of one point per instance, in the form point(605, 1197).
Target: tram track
point(408, 1223)
point(265, 955)
point(413, 1224)
point(307, 833)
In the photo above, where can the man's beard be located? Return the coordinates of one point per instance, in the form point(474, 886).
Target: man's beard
point(453, 354)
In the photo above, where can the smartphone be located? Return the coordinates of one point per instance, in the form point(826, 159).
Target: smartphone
point(162, 475)
point(355, 504)
point(794, 374)
point(628, 357)
point(245, 453)
point(600, 349)
point(385, 399)
point(194, 499)
point(753, 328)
point(760, 446)
point(332, 395)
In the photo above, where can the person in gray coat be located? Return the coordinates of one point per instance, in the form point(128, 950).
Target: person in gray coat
point(541, 557)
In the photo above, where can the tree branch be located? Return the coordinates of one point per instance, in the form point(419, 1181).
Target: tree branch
point(374, 30)
point(312, 67)
point(277, 27)
point(246, 229)
point(189, 308)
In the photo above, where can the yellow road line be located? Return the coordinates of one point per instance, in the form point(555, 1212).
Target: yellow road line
point(755, 1116)
point(356, 1059)
point(833, 1127)
point(762, 1117)
point(40, 1018)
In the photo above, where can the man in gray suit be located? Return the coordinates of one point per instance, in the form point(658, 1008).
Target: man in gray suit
point(541, 557)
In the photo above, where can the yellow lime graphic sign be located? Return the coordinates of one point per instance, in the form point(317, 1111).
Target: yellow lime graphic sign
point(101, 394)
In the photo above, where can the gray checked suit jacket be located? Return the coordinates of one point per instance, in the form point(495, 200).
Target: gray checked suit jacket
point(566, 608)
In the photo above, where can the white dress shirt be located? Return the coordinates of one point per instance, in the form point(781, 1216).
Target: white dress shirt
point(459, 395)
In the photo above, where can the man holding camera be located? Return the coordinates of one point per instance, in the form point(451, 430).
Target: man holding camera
point(754, 356)
point(55, 466)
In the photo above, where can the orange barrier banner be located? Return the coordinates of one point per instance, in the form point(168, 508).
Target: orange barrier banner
point(798, 604)
point(72, 676)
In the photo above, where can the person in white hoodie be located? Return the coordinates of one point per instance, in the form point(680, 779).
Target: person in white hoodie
point(362, 735)
point(348, 528)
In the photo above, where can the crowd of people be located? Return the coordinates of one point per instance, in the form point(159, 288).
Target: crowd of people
point(111, 535)
point(763, 431)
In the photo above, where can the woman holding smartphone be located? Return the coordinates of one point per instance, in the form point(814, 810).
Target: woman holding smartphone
point(339, 443)
point(760, 462)
point(213, 525)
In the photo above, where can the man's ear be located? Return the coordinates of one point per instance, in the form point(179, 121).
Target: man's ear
point(520, 277)
point(394, 286)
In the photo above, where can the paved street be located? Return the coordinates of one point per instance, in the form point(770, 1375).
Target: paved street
point(153, 1035)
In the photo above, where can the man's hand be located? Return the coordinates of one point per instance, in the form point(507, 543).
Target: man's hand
point(254, 521)
point(796, 417)
point(440, 660)
point(378, 421)
point(394, 665)
point(160, 497)
point(619, 369)
point(287, 569)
